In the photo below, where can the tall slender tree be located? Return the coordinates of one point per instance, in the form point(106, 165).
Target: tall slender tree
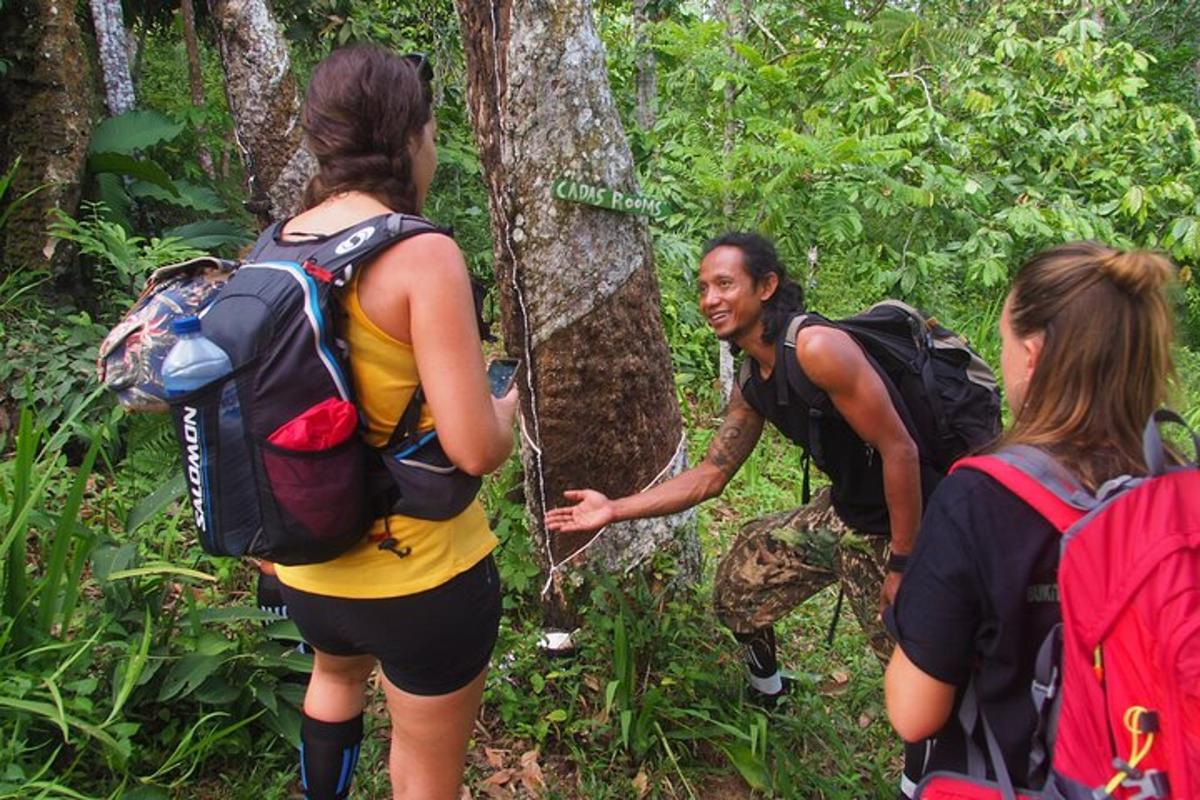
point(647, 67)
point(731, 12)
point(113, 52)
point(579, 296)
point(191, 43)
point(264, 97)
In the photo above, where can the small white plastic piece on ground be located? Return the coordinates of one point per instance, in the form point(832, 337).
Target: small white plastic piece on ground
point(557, 642)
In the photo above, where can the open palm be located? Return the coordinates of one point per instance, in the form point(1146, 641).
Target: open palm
point(591, 512)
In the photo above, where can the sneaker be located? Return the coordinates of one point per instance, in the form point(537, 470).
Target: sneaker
point(768, 702)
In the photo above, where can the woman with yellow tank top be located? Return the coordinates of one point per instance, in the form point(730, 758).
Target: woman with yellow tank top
point(428, 612)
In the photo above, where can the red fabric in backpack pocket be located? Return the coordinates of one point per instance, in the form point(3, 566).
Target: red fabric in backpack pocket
point(325, 425)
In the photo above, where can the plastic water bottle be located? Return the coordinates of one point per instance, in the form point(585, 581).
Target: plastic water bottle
point(195, 361)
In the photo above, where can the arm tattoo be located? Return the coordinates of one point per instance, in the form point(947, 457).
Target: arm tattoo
point(734, 442)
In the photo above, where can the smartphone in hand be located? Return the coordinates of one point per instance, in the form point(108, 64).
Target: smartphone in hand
point(501, 373)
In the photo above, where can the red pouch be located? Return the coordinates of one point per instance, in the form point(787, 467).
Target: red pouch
point(325, 425)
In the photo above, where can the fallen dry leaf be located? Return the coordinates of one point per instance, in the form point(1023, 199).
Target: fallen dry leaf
point(499, 777)
point(531, 773)
point(495, 758)
point(641, 783)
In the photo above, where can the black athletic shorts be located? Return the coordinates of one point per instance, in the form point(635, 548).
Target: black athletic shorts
point(430, 643)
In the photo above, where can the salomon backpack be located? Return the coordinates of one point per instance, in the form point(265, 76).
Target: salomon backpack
point(946, 394)
point(1117, 685)
point(274, 458)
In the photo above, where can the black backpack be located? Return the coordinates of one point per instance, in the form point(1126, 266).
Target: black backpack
point(943, 391)
point(274, 457)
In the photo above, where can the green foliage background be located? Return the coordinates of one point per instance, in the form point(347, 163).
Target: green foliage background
point(921, 154)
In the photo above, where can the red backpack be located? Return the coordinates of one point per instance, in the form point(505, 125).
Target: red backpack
point(1118, 688)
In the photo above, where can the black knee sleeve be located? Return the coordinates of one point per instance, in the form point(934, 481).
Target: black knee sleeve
point(328, 754)
point(270, 596)
point(916, 760)
point(760, 651)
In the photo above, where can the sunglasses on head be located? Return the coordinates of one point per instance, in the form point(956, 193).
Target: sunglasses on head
point(421, 64)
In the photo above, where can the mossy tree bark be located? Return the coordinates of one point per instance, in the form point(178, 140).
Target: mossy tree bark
point(264, 98)
point(579, 296)
point(48, 99)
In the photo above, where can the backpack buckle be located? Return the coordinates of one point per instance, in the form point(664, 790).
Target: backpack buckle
point(1153, 785)
point(317, 271)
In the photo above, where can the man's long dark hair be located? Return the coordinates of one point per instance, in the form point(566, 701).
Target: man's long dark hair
point(760, 260)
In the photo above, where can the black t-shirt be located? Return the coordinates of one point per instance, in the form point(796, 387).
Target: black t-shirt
point(980, 592)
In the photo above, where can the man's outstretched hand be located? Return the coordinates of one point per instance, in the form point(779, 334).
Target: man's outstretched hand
point(591, 512)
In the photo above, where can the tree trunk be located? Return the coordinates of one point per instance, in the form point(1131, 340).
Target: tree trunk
point(196, 82)
point(647, 68)
point(265, 101)
point(48, 98)
point(579, 296)
point(114, 55)
point(734, 29)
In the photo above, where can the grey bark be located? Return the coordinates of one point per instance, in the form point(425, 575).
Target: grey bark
point(264, 98)
point(734, 30)
point(196, 81)
point(647, 68)
point(113, 51)
point(48, 98)
point(579, 296)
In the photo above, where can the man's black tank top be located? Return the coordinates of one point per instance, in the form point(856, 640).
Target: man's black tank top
point(854, 468)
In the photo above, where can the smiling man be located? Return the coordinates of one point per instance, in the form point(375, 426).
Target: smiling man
point(857, 531)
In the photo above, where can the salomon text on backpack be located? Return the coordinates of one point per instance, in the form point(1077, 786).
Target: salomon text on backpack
point(273, 453)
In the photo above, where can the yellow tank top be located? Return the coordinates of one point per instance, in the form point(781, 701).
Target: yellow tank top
point(384, 371)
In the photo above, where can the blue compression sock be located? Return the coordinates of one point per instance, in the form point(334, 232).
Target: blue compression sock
point(328, 754)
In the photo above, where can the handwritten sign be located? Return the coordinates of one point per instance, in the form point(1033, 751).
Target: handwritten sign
point(602, 196)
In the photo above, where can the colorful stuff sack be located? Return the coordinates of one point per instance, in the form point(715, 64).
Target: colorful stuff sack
point(1119, 703)
point(946, 393)
point(130, 359)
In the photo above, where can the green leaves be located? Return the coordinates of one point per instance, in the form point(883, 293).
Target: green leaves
point(133, 131)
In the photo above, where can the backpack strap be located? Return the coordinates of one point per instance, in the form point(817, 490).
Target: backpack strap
point(1046, 691)
point(970, 717)
point(794, 378)
point(335, 257)
point(1041, 482)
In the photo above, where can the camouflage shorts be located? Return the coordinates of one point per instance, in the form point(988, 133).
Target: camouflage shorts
point(779, 561)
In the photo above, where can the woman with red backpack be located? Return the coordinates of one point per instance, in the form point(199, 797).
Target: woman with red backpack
point(1086, 357)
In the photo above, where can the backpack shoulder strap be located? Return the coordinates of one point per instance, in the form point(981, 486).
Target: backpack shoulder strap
point(787, 365)
point(335, 257)
point(339, 255)
point(1040, 481)
point(264, 240)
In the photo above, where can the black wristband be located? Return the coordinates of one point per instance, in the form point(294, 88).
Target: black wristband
point(897, 562)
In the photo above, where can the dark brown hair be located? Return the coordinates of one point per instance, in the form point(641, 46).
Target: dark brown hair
point(1106, 356)
point(363, 107)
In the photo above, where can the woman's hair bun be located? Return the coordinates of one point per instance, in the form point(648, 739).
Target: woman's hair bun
point(1137, 272)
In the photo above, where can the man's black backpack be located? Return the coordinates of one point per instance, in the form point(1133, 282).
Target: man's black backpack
point(944, 392)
